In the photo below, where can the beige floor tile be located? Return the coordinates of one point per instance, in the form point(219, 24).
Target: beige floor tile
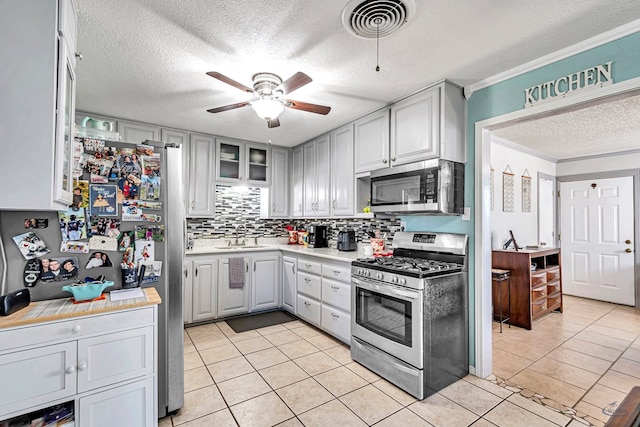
point(611, 332)
point(204, 343)
point(592, 313)
point(267, 330)
point(523, 350)
point(340, 381)
point(592, 411)
point(627, 323)
point(203, 330)
point(619, 381)
point(217, 354)
point(627, 366)
point(292, 422)
point(594, 422)
point(508, 414)
point(341, 353)
point(265, 358)
point(509, 362)
point(192, 360)
point(221, 418)
point(243, 336)
point(165, 422)
point(488, 386)
point(592, 349)
point(332, 413)
point(632, 354)
point(252, 345)
point(283, 374)
point(294, 324)
point(243, 388)
point(230, 368)
point(440, 411)
point(225, 328)
point(316, 363)
point(363, 372)
point(400, 396)
point(188, 345)
point(601, 396)
point(304, 395)
point(501, 373)
point(581, 360)
point(265, 410)
point(582, 321)
point(370, 404)
point(198, 403)
point(298, 349)
point(483, 423)
point(307, 331)
point(403, 418)
point(565, 372)
point(552, 388)
point(605, 340)
point(540, 410)
point(323, 342)
point(282, 337)
point(471, 397)
point(196, 378)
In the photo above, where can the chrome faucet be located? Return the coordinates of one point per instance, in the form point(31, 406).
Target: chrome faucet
point(237, 234)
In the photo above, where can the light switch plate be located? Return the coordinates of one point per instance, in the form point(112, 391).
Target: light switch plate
point(466, 216)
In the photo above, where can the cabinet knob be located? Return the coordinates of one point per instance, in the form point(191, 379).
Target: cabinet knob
point(393, 159)
point(273, 207)
point(333, 204)
point(76, 329)
point(384, 161)
point(70, 370)
point(79, 55)
point(82, 366)
point(193, 204)
point(240, 178)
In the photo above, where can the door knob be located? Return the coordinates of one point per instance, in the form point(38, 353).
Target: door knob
point(628, 242)
point(628, 250)
point(384, 160)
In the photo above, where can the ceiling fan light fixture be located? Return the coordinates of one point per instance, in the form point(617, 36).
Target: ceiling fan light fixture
point(267, 108)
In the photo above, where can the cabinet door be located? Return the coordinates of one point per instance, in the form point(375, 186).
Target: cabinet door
point(131, 405)
point(265, 286)
point(187, 292)
point(371, 140)
point(323, 176)
point(343, 179)
point(204, 290)
point(138, 132)
point(68, 26)
point(309, 179)
point(230, 155)
point(297, 182)
point(232, 300)
point(258, 164)
point(37, 376)
point(279, 191)
point(289, 266)
point(202, 191)
point(113, 358)
point(415, 128)
point(173, 136)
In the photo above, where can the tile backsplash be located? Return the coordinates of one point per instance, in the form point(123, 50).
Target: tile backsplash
point(233, 208)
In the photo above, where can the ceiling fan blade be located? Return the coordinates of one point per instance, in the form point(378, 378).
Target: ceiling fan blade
point(305, 106)
point(273, 123)
point(294, 82)
point(230, 81)
point(229, 107)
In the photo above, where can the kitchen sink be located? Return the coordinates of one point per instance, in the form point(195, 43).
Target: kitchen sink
point(227, 248)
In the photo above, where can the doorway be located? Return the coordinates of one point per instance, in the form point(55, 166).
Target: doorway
point(546, 210)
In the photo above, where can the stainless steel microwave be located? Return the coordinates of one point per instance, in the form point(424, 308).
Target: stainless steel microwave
point(433, 186)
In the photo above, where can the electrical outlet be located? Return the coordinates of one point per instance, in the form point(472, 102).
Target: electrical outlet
point(403, 226)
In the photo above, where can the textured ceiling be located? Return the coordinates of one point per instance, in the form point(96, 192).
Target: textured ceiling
point(605, 128)
point(146, 60)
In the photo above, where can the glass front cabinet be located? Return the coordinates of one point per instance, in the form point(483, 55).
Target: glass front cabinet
point(241, 162)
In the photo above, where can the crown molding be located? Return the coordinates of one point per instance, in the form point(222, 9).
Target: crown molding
point(600, 156)
point(522, 148)
point(599, 40)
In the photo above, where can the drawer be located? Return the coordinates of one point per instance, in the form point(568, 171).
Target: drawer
point(337, 294)
point(336, 322)
point(75, 328)
point(309, 266)
point(538, 278)
point(538, 307)
point(336, 273)
point(309, 284)
point(309, 310)
point(553, 274)
point(539, 292)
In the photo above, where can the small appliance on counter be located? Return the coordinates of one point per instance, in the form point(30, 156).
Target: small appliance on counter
point(317, 237)
point(347, 240)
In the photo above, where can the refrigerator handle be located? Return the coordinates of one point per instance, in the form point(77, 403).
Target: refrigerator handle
point(246, 264)
point(3, 263)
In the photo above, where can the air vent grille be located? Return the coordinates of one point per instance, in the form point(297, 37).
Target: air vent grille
point(372, 18)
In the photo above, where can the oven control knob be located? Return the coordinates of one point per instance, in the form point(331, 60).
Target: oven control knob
point(368, 273)
point(403, 281)
point(379, 276)
point(359, 272)
point(394, 279)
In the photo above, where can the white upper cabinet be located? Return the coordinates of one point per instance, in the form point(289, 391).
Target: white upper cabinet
point(342, 177)
point(317, 177)
point(38, 103)
point(297, 181)
point(242, 162)
point(173, 136)
point(372, 141)
point(138, 132)
point(201, 187)
point(279, 192)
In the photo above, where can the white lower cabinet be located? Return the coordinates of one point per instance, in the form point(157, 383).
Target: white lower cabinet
point(105, 363)
point(309, 309)
point(289, 288)
point(336, 322)
point(204, 290)
point(232, 300)
point(265, 278)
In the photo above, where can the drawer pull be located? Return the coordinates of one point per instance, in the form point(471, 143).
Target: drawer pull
point(306, 279)
point(336, 272)
point(334, 287)
point(76, 329)
point(70, 370)
point(307, 304)
point(308, 265)
point(82, 366)
point(335, 316)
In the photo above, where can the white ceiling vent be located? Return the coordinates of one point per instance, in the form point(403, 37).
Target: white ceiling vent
point(370, 19)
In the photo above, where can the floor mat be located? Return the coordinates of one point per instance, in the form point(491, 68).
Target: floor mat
point(255, 321)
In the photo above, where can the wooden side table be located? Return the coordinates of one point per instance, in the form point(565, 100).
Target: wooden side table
point(498, 279)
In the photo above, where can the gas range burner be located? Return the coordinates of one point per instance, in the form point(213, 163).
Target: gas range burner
point(415, 267)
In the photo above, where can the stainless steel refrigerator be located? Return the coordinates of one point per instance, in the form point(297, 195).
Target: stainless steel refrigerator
point(170, 284)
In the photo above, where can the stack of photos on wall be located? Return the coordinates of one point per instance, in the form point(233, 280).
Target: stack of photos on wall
point(112, 188)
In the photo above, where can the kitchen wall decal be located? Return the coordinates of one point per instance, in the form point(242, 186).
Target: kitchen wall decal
point(492, 179)
point(73, 225)
point(526, 192)
point(507, 190)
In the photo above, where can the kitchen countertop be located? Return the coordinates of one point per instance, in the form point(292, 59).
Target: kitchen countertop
point(65, 309)
point(216, 247)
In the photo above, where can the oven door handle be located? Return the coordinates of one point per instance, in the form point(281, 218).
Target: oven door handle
point(389, 290)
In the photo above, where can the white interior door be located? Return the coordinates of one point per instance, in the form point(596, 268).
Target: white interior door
point(597, 239)
point(546, 212)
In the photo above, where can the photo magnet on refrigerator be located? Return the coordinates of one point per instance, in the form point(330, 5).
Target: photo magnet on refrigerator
point(31, 272)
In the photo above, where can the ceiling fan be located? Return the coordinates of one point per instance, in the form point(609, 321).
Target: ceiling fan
point(270, 90)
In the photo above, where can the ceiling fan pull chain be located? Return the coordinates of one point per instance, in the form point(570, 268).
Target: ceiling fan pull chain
point(377, 44)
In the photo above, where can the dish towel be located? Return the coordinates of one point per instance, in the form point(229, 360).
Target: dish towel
point(236, 273)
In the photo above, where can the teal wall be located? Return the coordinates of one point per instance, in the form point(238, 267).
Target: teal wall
point(506, 97)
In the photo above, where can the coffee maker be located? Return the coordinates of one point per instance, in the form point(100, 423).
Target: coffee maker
point(318, 236)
